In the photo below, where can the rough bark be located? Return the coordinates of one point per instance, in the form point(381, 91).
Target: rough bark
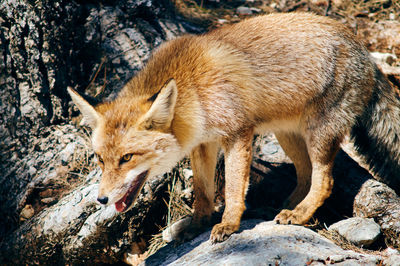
point(45, 46)
point(77, 230)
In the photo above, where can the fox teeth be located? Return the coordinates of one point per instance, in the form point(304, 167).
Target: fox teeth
point(124, 204)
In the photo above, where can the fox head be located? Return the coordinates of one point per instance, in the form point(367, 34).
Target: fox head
point(132, 139)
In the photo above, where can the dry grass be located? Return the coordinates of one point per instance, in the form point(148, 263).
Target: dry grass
point(392, 239)
point(82, 162)
point(344, 243)
point(177, 207)
point(336, 238)
point(193, 13)
point(155, 243)
point(373, 9)
point(203, 13)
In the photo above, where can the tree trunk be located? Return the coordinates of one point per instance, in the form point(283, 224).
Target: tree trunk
point(49, 181)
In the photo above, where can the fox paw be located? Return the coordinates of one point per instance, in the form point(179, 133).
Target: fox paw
point(221, 232)
point(290, 217)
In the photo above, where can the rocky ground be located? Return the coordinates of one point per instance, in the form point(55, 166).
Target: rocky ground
point(48, 179)
point(265, 243)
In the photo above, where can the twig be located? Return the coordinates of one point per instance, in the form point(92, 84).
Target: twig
point(97, 72)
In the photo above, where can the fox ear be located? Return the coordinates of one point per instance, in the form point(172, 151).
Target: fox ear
point(90, 116)
point(161, 112)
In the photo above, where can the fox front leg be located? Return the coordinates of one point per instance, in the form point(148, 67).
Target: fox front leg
point(238, 155)
point(203, 159)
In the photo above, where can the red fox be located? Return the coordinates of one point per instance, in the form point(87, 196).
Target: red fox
point(302, 76)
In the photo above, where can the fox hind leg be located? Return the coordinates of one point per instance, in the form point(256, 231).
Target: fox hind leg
point(322, 150)
point(296, 148)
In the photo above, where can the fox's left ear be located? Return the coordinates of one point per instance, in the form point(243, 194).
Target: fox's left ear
point(161, 112)
point(90, 116)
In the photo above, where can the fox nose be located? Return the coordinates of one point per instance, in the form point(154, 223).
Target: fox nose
point(102, 200)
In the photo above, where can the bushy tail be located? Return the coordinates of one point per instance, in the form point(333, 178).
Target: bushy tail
point(376, 135)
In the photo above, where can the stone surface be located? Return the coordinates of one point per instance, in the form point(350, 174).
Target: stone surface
point(267, 148)
point(357, 230)
point(27, 212)
point(243, 10)
point(381, 202)
point(386, 62)
point(392, 261)
point(392, 257)
point(261, 243)
point(171, 233)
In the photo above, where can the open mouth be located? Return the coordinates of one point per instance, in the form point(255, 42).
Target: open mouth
point(126, 201)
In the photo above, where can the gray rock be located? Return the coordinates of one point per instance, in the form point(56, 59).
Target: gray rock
point(359, 231)
point(67, 153)
point(393, 260)
point(187, 173)
point(261, 243)
point(171, 233)
point(377, 200)
point(393, 257)
point(391, 252)
point(255, 10)
point(267, 148)
point(243, 10)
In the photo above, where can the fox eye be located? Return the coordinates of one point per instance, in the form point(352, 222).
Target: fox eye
point(126, 158)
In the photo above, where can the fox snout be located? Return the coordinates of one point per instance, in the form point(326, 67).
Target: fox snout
point(108, 185)
point(122, 194)
point(102, 199)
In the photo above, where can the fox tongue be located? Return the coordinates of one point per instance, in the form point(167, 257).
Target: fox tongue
point(120, 205)
point(126, 201)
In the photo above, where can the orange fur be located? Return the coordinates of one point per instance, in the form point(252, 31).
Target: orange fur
point(303, 76)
